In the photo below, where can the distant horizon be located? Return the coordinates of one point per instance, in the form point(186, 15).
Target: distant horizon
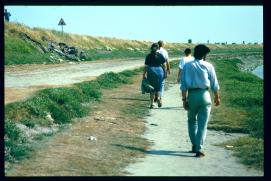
point(234, 23)
point(228, 43)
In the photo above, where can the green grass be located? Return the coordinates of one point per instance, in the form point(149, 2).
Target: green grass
point(237, 50)
point(249, 150)
point(242, 93)
point(18, 51)
point(241, 110)
point(114, 54)
point(14, 147)
point(63, 104)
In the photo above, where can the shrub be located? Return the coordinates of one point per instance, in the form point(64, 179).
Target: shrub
point(111, 80)
point(67, 103)
point(91, 90)
point(11, 130)
point(59, 114)
point(28, 122)
point(13, 142)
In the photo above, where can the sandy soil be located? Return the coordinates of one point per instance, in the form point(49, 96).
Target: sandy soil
point(169, 155)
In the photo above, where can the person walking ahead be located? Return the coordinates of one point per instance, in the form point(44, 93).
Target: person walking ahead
point(187, 58)
point(7, 15)
point(197, 77)
point(163, 51)
point(155, 67)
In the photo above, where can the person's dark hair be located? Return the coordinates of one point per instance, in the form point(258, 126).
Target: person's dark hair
point(200, 51)
point(160, 43)
point(187, 51)
point(154, 47)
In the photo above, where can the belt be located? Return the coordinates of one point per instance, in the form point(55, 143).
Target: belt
point(194, 89)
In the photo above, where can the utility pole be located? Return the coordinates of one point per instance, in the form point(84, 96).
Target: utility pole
point(62, 23)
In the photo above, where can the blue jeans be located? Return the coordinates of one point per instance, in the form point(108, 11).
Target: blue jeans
point(199, 102)
point(163, 88)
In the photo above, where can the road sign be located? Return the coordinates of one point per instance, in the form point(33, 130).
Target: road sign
point(61, 22)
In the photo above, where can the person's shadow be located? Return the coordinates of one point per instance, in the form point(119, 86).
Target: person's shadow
point(158, 152)
point(129, 99)
point(169, 108)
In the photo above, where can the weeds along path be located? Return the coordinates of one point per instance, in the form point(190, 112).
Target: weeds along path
point(169, 155)
point(23, 80)
point(116, 122)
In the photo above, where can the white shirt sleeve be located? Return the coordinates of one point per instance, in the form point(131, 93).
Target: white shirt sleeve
point(213, 79)
point(181, 64)
point(166, 55)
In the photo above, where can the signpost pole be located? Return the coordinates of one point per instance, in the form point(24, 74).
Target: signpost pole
point(62, 23)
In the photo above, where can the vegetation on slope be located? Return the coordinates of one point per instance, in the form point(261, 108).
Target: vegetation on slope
point(18, 51)
point(241, 111)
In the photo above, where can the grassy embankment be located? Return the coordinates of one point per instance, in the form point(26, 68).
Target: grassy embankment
point(18, 51)
point(57, 106)
point(241, 111)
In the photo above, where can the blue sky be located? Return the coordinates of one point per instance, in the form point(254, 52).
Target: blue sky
point(151, 23)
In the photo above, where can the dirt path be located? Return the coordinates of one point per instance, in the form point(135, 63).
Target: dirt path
point(169, 156)
point(23, 76)
point(23, 80)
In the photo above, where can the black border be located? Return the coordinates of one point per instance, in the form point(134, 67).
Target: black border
point(267, 70)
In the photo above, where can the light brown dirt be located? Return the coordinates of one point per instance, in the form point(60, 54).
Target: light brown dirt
point(71, 152)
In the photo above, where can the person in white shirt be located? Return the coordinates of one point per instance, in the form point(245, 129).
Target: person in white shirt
point(198, 77)
point(187, 58)
point(165, 55)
